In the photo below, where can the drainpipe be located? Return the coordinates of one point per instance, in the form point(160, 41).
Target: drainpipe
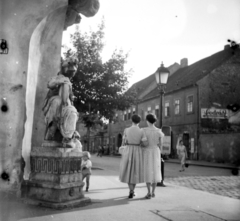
point(198, 121)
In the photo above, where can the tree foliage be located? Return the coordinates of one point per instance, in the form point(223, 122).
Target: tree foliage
point(99, 86)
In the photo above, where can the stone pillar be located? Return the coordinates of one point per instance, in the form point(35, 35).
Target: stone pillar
point(25, 25)
point(33, 32)
point(56, 179)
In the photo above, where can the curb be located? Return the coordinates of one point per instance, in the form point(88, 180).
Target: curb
point(232, 167)
point(206, 165)
point(97, 168)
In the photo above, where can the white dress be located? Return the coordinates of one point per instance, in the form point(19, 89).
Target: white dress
point(152, 155)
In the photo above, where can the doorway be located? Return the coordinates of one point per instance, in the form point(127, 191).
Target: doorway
point(119, 141)
point(185, 139)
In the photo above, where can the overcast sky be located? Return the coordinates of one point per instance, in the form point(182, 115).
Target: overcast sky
point(164, 30)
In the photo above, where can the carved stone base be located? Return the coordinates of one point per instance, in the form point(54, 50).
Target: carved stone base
point(55, 179)
point(64, 205)
point(52, 192)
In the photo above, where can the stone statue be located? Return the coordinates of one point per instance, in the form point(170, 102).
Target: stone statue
point(60, 114)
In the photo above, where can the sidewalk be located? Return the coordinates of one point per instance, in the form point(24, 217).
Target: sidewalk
point(195, 163)
point(110, 202)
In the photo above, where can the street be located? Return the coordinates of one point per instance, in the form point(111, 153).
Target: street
point(213, 180)
point(196, 194)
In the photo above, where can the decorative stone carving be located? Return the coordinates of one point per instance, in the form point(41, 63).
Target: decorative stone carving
point(55, 179)
point(86, 7)
point(60, 114)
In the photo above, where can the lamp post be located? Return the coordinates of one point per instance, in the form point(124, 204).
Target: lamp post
point(88, 128)
point(161, 75)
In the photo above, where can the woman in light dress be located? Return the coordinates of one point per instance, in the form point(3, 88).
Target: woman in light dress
point(131, 166)
point(182, 154)
point(152, 155)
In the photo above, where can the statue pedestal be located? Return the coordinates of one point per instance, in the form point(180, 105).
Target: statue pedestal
point(56, 178)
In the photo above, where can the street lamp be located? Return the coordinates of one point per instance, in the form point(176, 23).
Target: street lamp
point(161, 75)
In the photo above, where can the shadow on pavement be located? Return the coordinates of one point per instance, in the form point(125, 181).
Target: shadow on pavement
point(13, 208)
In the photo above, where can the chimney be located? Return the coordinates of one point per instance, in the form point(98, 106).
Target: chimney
point(184, 62)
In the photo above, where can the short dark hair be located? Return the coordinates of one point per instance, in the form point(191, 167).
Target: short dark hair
point(151, 118)
point(136, 118)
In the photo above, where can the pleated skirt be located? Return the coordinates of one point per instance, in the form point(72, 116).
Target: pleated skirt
point(131, 166)
point(152, 165)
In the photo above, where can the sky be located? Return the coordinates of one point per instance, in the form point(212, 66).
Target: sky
point(156, 31)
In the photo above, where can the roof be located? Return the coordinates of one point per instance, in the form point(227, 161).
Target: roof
point(144, 83)
point(193, 73)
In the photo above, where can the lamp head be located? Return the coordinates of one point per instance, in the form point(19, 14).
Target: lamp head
point(162, 75)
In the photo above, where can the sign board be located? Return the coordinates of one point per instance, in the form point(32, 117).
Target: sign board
point(214, 113)
point(166, 149)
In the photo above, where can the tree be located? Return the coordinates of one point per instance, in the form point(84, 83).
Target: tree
point(99, 86)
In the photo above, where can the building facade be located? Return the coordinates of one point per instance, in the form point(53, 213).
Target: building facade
point(197, 106)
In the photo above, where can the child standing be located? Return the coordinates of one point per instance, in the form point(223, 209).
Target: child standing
point(86, 168)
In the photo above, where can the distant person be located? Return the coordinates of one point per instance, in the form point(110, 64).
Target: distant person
point(100, 151)
point(103, 149)
point(86, 168)
point(152, 155)
point(131, 166)
point(182, 154)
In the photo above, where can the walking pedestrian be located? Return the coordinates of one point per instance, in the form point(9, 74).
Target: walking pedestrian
point(131, 166)
point(152, 155)
point(86, 168)
point(182, 154)
point(100, 151)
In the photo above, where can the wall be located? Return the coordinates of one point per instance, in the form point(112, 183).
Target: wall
point(23, 23)
point(217, 90)
point(184, 122)
point(220, 148)
point(183, 118)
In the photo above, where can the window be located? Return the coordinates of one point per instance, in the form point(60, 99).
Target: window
point(149, 110)
point(129, 114)
point(167, 109)
point(190, 104)
point(134, 110)
point(125, 115)
point(177, 107)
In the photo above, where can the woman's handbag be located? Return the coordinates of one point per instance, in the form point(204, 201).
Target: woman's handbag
point(124, 143)
point(121, 149)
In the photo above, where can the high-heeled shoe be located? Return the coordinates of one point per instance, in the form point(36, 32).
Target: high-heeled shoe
point(131, 194)
point(148, 196)
point(153, 194)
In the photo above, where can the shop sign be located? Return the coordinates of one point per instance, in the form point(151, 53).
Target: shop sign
point(214, 113)
point(166, 149)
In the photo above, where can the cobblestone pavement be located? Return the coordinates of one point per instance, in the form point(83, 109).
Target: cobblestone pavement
point(221, 185)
